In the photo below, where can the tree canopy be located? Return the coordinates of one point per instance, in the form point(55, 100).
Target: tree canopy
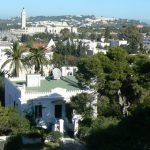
point(15, 58)
point(134, 38)
point(121, 77)
point(122, 82)
point(37, 58)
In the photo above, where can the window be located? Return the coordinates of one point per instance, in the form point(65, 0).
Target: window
point(58, 111)
point(38, 111)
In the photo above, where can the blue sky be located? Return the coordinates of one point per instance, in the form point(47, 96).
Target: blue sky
point(131, 9)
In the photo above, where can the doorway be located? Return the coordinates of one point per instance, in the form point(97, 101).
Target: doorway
point(58, 111)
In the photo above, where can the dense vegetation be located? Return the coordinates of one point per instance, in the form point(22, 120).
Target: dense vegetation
point(122, 82)
point(12, 123)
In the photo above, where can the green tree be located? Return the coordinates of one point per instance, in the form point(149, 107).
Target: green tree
point(37, 58)
point(93, 36)
point(58, 60)
point(123, 84)
point(107, 34)
point(65, 34)
point(81, 49)
point(15, 58)
point(134, 38)
point(81, 103)
point(116, 77)
point(99, 36)
point(60, 48)
point(26, 39)
point(130, 133)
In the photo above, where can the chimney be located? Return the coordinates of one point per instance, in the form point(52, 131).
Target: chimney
point(33, 80)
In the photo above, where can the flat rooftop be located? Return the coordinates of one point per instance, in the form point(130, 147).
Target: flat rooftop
point(69, 83)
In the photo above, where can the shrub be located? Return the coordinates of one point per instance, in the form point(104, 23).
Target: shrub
point(54, 136)
point(83, 133)
point(11, 122)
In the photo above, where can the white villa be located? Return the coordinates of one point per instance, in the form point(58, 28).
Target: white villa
point(45, 98)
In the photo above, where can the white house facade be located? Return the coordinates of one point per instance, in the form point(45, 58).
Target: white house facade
point(45, 99)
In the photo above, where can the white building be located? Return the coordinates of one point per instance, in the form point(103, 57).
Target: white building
point(42, 26)
point(92, 47)
point(51, 44)
point(117, 42)
point(69, 71)
point(23, 19)
point(56, 29)
point(45, 99)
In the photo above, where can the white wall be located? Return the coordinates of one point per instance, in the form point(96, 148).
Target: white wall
point(26, 101)
point(12, 95)
point(31, 30)
point(66, 71)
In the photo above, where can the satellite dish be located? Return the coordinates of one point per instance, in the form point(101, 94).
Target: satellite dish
point(56, 73)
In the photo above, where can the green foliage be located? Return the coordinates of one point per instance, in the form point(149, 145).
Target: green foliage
point(15, 59)
point(26, 39)
point(93, 36)
point(68, 54)
point(38, 59)
point(61, 60)
point(121, 80)
point(131, 133)
point(81, 103)
point(12, 123)
point(134, 38)
point(107, 34)
point(65, 34)
point(70, 48)
point(103, 123)
point(117, 77)
point(103, 106)
point(83, 133)
point(88, 68)
point(54, 136)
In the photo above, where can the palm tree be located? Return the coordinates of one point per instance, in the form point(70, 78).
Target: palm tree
point(38, 59)
point(15, 58)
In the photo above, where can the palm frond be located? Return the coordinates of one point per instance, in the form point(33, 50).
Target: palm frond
point(5, 63)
